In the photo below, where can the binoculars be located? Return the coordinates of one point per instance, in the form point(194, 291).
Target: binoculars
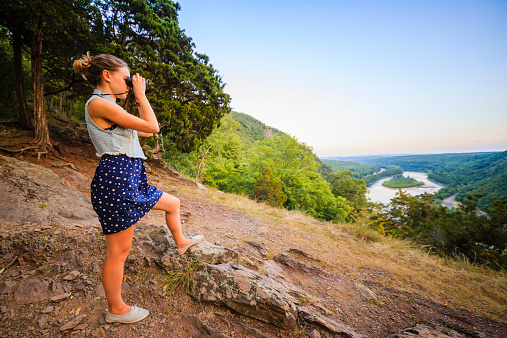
point(129, 82)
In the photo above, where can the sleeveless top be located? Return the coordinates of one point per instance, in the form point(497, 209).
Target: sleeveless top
point(118, 141)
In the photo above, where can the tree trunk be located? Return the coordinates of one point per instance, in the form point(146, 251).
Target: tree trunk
point(24, 120)
point(60, 110)
point(41, 126)
point(71, 110)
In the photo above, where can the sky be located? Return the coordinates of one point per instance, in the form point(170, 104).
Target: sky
point(363, 77)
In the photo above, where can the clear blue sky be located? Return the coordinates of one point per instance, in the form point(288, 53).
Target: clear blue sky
point(361, 77)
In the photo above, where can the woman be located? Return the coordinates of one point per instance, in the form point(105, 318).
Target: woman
point(120, 192)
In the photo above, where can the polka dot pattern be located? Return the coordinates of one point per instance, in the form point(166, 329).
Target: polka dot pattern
point(121, 195)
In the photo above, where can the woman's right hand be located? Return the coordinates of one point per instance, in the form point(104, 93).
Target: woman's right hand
point(139, 85)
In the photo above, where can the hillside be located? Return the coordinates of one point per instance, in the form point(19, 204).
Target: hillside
point(251, 130)
point(357, 281)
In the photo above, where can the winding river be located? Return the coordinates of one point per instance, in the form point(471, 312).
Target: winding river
point(378, 193)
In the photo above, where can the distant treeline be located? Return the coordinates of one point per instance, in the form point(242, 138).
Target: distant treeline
point(466, 174)
point(370, 173)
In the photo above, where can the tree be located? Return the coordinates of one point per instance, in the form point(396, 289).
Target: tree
point(188, 98)
point(32, 22)
point(269, 189)
point(352, 189)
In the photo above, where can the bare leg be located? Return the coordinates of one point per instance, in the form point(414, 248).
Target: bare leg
point(118, 248)
point(171, 206)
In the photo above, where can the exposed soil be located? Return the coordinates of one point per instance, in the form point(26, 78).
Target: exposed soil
point(43, 251)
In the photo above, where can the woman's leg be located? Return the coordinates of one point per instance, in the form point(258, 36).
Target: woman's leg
point(171, 206)
point(118, 248)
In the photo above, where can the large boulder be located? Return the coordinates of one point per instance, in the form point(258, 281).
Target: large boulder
point(246, 292)
point(31, 193)
point(157, 243)
point(260, 296)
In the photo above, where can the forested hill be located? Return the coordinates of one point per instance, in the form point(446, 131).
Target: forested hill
point(252, 130)
point(465, 174)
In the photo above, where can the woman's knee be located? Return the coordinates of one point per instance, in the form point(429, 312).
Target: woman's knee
point(119, 244)
point(119, 253)
point(168, 203)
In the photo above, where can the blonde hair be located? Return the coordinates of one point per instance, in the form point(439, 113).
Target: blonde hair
point(91, 68)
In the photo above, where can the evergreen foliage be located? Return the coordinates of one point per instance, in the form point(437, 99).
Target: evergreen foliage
point(185, 90)
point(269, 189)
point(461, 233)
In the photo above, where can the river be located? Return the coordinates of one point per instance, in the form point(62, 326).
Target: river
point(378, 193)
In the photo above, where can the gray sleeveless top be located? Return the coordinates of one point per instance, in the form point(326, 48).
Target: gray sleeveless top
point(118, 141)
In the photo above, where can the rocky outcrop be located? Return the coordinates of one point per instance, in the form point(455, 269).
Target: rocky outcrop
point(424, 330)
point(246, 292)
point(157, 244)
point(220, 279)
point(31, 193)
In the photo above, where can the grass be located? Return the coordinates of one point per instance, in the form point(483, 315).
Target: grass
point(181, 277)
point(353, 249)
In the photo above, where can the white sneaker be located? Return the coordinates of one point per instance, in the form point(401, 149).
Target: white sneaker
point(195, 240)
point(134, 315)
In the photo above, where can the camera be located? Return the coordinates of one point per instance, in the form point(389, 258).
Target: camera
point(129, 82)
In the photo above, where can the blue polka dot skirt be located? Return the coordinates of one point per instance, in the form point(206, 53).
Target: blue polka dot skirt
point(121, 195)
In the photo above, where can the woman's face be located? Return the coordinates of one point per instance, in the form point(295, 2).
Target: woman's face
point(117, 82)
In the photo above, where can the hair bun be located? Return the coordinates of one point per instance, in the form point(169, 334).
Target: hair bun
point(81, 66)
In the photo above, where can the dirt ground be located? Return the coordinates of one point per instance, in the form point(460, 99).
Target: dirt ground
point(366, 306)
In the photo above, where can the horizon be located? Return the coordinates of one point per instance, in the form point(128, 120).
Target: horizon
point(363, 77)
point(411, 154)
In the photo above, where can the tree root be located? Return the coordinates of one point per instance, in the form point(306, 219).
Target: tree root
point(72, 165)
point(44, 151)
point(20, 151)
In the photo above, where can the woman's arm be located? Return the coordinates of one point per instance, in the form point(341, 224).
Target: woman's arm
point(140, 133)
point(103, 112)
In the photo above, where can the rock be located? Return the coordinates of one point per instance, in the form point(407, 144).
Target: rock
point(72, 324)
point(423, 330)
point(32, 193)
point(72, 275)
point(252, 331)
point(308, 314)
point(7, 287)
point(158, 245)
point(259, 247)
point(314, 334)
point(99, 333)
point(81, 327)
point(197, 328)
point(43, 321)
point(48, 309)
point(200, 186)
point(57, 288)
point(32, 290)
point(300, 266)
point(59, 298)
point(364, 291)
point(246, 292)
point(273, 270)
point(124, 287)
point(99, 290)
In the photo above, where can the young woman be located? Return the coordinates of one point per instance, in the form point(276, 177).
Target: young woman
point(120, 192)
